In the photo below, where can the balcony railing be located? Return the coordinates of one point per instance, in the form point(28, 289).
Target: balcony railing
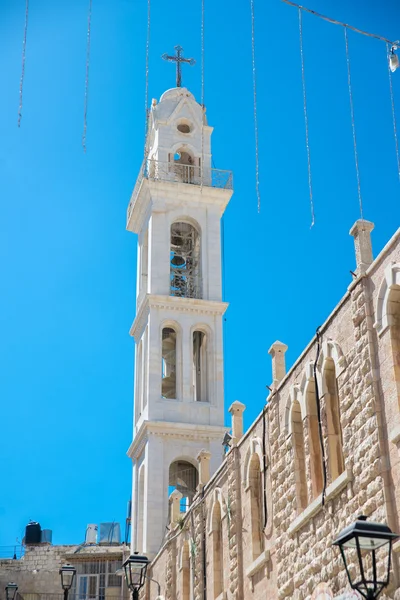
point(105, 595)
point(155, 170)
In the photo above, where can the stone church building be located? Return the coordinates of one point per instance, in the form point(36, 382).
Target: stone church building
point(225, 514)
point(256, 520)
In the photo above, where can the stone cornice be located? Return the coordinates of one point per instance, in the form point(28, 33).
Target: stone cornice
point(177, 431)
point(181, 305)
point(153, 193)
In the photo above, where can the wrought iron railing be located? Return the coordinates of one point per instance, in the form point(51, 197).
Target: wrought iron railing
point(155, 170)
point(119, 595)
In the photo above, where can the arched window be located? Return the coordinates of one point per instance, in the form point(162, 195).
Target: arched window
point(334, 430)
point(393, 309)
point(299, 455)
point(185, 281)
point(256, 504)
point(185, 572)
point(200, 366)
point(139, 381)
point(314, 442)
point(217, 550)
point(143, 264)
point(185, 166)
point(168, 367)
point(183, 477)
point(140, 511)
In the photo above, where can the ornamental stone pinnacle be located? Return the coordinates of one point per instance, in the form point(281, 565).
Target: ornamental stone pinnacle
point(277, 351)
point(361, 232)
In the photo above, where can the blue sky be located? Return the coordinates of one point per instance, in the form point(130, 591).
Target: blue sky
point(69, 266)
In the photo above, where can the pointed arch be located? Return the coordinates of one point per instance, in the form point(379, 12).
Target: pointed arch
point(333, 423)
point(217, 496)
point(331, 350)
point(184, 567)
point(388, 317)
point(256, 506)
point(217, 549)
point(297, 433)
point(314, 441)
point(255, 447)
point(391, 281)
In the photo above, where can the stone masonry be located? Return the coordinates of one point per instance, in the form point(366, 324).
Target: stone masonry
point(267, 501)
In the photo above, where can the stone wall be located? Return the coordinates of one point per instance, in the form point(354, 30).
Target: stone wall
point(357, 368)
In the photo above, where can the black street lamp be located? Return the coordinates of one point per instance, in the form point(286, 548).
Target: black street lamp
point(366, 549)
point(135, 568)
point(67, 573)
point(11, 591)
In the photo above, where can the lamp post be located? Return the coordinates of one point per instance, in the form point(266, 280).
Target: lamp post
point(67, 573)
point(366, 549)
point(135, 568)
point(11, 591)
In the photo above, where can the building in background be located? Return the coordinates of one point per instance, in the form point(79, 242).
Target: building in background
point(98, 563)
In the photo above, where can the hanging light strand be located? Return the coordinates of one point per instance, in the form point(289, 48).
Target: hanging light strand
point(21, 83)
point(396, 141)
point(353, 124)
point(85, 110)
point(303, 80)
point(335, 22)
point(146, 91)
point(202, 95)
point(253, 56)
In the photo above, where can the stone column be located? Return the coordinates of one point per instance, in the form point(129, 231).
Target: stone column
point(175, 501)
point(361, 232)
point(237, 409)
point(204, 466)
point(277, 351)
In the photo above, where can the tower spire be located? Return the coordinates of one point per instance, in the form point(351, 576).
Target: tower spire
point(178, 59)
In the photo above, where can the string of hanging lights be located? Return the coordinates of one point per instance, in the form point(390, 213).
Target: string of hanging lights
point(335, 22)
point(202, 95)
point(353, 124)
point(88, 34)
point(303, 81)
point(393, 65)
point(253, 56)
point(391, 69)
point(21, 83)
point(146, 90)
point(393, 58)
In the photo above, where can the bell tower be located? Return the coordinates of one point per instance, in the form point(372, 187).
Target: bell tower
point(176, 209)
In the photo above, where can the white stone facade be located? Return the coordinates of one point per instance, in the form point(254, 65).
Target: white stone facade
point(176, 209)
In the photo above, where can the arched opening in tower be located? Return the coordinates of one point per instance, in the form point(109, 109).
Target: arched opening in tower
point(183, 477)
point(185, 280)
point(168, 363)
point(200, 366)
point(185, 166)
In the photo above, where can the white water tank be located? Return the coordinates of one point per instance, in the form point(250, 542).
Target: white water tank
point(91, 534)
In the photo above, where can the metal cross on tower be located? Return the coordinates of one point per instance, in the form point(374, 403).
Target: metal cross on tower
point(178, 59)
